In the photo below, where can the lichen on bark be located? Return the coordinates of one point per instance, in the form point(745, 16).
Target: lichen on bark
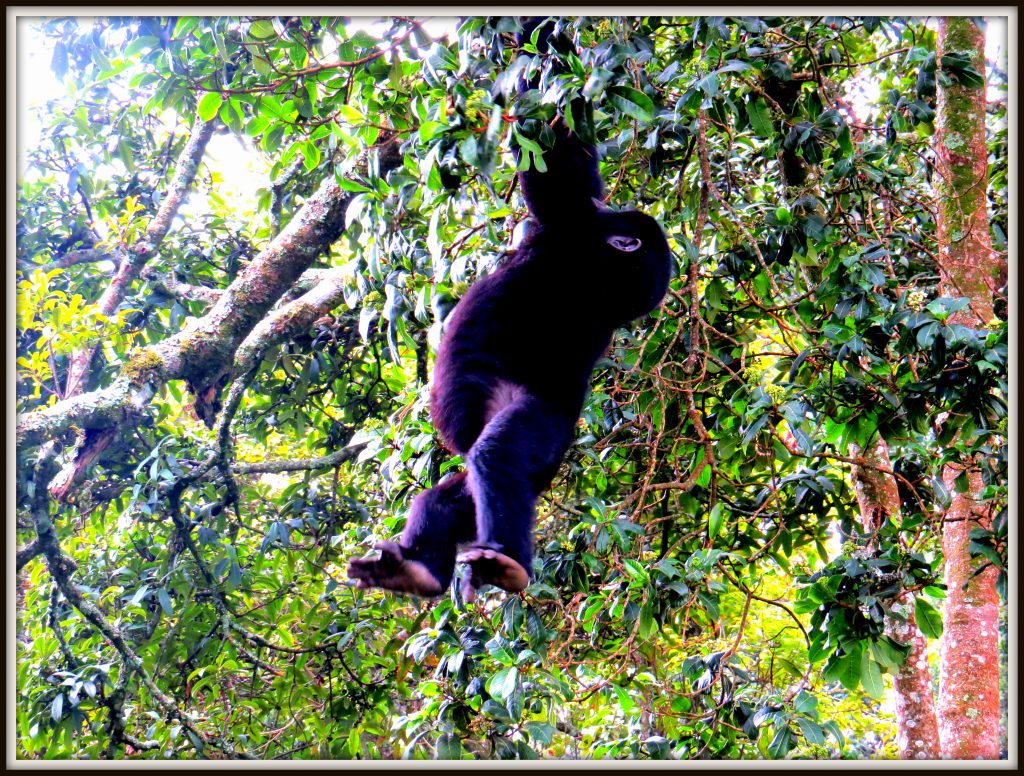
point(962, 155)
point(144, 366)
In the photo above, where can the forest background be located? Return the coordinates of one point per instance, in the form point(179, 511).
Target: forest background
point(782, 529)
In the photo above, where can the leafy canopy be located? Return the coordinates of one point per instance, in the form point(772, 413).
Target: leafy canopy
point(704, 588)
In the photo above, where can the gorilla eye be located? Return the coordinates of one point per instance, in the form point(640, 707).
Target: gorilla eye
point(625, 244)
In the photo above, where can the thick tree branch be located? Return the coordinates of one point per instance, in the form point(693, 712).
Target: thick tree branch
point(170, 285)
point(137, 255)
point(292, 319)
point(204, 353)
point(121, 401)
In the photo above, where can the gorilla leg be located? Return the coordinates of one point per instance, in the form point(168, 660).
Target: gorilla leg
point(515, 458)
point(459, 407)
point(424, 559)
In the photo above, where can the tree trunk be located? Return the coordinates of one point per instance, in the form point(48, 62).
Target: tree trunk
point(969, 715)
point(917, 728)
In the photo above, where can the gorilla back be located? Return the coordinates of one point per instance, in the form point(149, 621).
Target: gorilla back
point(538, 324)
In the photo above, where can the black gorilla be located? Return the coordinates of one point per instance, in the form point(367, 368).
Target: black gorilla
point(512, 373)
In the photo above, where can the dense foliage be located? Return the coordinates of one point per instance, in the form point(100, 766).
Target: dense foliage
point(704, 586)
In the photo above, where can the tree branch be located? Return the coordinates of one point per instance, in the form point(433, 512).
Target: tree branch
point(138, 254)
point(27, 553)
point(295, 317)
point(71, 258)
point(169, 284)
point(277, 188)
point(203, 354)
point(62, 567)
point(300, 464)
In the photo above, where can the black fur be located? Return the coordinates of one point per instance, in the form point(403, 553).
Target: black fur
point(571, 181)
point(512, 374)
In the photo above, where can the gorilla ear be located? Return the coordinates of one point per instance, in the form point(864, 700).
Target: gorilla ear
point(600, 205)
point(624, 244)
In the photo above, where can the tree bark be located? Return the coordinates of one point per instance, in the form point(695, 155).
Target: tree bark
point(916, 723)
point(969, 714)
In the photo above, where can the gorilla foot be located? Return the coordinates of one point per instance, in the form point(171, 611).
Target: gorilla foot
point(491, 567)
point(394, 572)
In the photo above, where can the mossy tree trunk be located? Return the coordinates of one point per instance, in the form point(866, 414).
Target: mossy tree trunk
point(969, 715)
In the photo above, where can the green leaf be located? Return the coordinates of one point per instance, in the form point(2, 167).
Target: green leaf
point(760, 118)
point(624, 700)
point(448, 747)
point(185, 25)
point(781, 743)
point(805, 703)
point(503, 683)
point(709, 85)
point(269, 106)
point(735, 66)
point(196, 741)
point(139, 595)
point(704, 478)
point(889, 653)
point(632, 102)
point(511, 682)
point(647, 622)
point(845, 670)
point(934, 591)
point(871, 676)
point(209, 105)
point(261, 65)
point(635, 569)
point(808, 259)
point(256, 125)
point(928, 618)
point(845, 141)
point(525, 752)
point(832, 728)
point(59, 61)
point(345, 184)
point(165, 601)
point(222, 47)
point(310, 155)
point(496, 711)
point(716, 518)
point(57, 707)
point(541, 732)
point(407, 752)
point(812, 732)
point(262, 28)
point(958, 65)
point(756, 426)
